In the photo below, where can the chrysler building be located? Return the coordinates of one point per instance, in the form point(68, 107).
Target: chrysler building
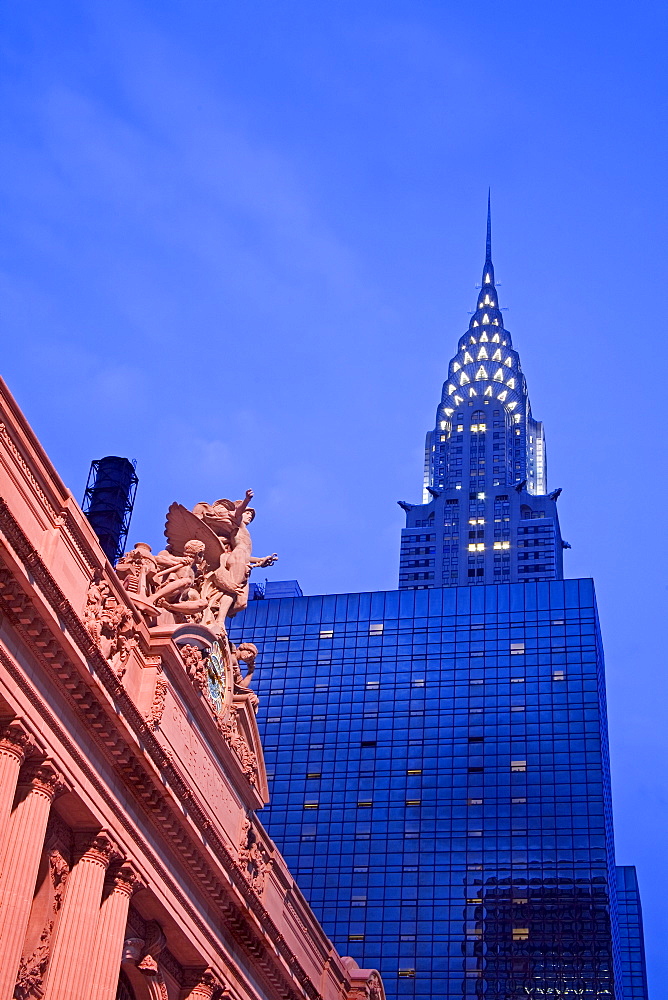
point(486, 515)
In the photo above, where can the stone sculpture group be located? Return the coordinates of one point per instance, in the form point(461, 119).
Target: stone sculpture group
point(202, 576)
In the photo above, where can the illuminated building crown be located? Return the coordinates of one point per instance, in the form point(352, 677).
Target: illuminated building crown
point(485, 468)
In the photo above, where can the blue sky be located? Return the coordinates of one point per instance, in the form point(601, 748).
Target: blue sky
point(240, 242)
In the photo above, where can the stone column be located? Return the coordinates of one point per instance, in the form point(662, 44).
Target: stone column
point(108, 948)
point(15, 745)
point(70, 970)
point(202, 984)
point(24, 842)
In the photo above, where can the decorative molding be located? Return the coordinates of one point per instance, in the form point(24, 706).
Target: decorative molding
point(32, 969)
point(27, 471)
point(236, 741)
point(76, 534)
point(59, 872)
point(110, 624)
point(195, 666)
point(155, 713)
point(254, 857)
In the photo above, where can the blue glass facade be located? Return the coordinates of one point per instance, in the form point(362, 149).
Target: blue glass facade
point(440, 785)
point(631, 934)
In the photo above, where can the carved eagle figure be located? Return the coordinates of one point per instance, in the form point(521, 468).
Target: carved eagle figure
point(182, 525)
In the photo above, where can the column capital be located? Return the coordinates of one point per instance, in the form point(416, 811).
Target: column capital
point(43, 777)
point(202, 984)
point(124, 877)
point(97, 846)
point(15, 739)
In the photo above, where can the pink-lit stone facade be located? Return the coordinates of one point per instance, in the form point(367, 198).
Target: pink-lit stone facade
point(132, 863)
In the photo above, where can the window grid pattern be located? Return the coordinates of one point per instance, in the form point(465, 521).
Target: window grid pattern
point(463, 829)
point(631, 934)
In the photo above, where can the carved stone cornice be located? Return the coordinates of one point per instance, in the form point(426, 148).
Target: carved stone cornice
point(27, 471)
point(107, 730)
point(16, 740)
point(42, 776)
point(95, 846)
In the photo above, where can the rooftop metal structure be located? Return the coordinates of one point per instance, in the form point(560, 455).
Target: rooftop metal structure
point(108, 502)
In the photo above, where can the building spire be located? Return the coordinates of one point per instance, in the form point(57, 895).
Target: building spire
point(488, 312)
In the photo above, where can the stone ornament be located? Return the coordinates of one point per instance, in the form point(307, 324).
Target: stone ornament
point(254, 857)
point(59, 871)
point(157, 709)
point(246, 652)
point(229, 730)
point(30, 977)
point(195, 663)
point(153, 944)
point(216, 675)
point(203, 984)
point(374, 987)
point(110, 625)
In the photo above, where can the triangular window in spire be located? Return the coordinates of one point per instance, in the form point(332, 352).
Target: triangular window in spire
point(496, 339)
point(458, 400)
point(495, 322)
point(448, 411)
point(508, 362)
point(451, 389)
point(463, 378)
point(511, 406)
point(488, 279)
point(488, 391)
point(485, 319)
point(481, 373)
point(472, 392)
point(484, 339)
point(511, 383)
point(472, 340)
point(476, 323)
point(497, 355)
point(468, 360)
point(456, 366)
point(482, 354)
point(502, 395)
point(498, 375)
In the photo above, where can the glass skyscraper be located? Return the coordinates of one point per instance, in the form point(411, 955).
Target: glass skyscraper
point(438, 754)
